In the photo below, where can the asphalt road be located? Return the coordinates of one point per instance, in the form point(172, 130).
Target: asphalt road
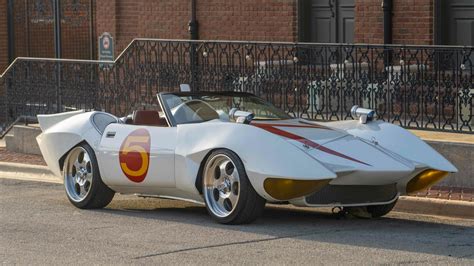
point(39, 226)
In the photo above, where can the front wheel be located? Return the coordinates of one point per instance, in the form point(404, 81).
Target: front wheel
point(229, 196)
point(372, 211)
point(82, 181)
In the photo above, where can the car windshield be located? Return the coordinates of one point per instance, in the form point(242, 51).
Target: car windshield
point(200, 107)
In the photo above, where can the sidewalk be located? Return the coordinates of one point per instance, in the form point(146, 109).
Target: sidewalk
point(443, 136)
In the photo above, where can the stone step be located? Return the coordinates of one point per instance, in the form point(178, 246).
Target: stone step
point(22, 139)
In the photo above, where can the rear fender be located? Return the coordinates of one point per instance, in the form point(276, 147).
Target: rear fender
point(47, 121)
point(58, 138)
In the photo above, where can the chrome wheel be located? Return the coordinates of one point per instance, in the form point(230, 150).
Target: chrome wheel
point(78, 173)
point(221, 185)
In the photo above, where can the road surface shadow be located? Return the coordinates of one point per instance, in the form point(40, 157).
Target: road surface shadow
point(279, 222)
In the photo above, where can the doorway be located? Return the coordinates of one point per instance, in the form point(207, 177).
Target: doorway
point(327, 21)
point(455, 22)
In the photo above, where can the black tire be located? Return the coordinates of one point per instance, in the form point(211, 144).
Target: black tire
point(249, 205)
point(371, 211)
point(99, 195)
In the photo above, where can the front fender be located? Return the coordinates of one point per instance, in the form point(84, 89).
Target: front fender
point(397, 140)
point(262, 153)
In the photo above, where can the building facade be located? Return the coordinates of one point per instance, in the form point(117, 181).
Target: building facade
point(29, 28)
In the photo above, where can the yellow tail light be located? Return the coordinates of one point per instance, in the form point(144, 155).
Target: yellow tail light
point(425, 179)
point(285, 189)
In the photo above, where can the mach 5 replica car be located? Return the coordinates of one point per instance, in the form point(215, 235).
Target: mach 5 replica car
point(234, 152)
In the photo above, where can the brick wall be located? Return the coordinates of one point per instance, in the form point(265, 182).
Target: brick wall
point(3, 36)
point(128, 19)
point(413, 21)
point(253, 20)
point(164, 19)
point(368, 26)
point(75, 31)
point(106, 19)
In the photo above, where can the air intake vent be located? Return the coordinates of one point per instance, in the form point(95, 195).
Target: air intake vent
point(351, 194)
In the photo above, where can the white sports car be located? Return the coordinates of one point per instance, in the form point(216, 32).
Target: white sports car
point(233, 152)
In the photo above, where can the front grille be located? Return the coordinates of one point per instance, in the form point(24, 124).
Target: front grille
point(351, 194)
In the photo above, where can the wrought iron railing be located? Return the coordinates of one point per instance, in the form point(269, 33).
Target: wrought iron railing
point(422, 87)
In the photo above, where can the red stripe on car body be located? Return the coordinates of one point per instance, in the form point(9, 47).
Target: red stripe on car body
point(292, 125)
point(272, 128)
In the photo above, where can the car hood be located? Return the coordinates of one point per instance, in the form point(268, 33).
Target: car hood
point(299, 130)
point(338, 150)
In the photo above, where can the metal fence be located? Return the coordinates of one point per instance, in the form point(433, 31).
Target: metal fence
point(422, 87)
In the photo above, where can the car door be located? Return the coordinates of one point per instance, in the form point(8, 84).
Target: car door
point(137, 159)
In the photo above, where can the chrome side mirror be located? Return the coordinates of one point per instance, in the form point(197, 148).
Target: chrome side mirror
point(242, 117)
point(364, 115)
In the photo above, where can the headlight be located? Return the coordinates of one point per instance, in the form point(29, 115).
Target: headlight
point(285, 189)
point(425, 179)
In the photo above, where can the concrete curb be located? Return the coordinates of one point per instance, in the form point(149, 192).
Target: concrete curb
point(27, 172)
point(439, 207)
point(426, 206)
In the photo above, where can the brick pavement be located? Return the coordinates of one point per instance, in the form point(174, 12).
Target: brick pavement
point(447, 193)
point(15, 157)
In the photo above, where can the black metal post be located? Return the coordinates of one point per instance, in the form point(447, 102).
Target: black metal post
point(11, 57)
point(304, 15)
point(11, 35)
point(193, 24)
point(57, 28)
point(91, 30)
point(387, 29)
point(387, 21)
point(57, 48)
point(27, 28)
point(194, 35)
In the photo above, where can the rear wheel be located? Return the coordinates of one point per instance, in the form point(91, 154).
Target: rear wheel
point(372, 211)
point(229, 196)
point(82, 181)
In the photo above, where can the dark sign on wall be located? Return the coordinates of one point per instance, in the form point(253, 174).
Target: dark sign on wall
point(106, 47)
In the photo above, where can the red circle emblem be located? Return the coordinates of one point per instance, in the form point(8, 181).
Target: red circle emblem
point(106, 42)
point(134, 155)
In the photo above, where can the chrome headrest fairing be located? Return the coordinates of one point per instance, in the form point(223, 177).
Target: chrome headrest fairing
point(364, 115)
